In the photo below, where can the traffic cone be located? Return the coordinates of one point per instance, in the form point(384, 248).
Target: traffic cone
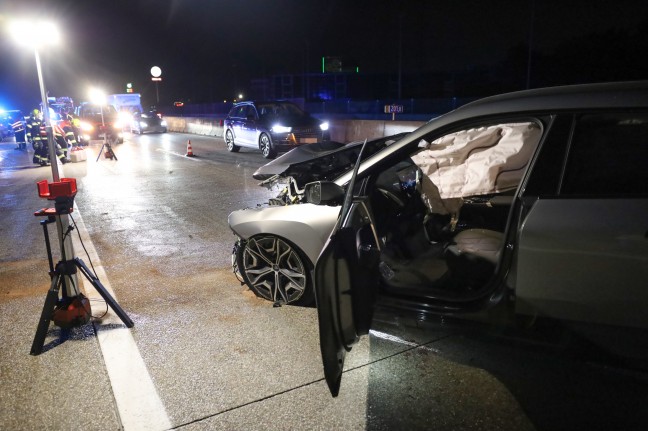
point(189, 150)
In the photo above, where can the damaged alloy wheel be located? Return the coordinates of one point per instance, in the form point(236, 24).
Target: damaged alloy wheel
point(275, 270)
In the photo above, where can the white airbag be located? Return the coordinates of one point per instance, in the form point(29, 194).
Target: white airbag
point(477, 161)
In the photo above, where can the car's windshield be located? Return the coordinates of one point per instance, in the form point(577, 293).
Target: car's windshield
point(279, 109)
point(96, 110)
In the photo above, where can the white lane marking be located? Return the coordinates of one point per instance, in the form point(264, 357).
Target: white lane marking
point(138, 403)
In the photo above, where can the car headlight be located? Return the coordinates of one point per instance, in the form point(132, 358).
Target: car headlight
point(277, 128)
point(86, 127)
point(163, 123)
point(117, 125)
point(324, 126)
point(143, 124)
point(125, 117)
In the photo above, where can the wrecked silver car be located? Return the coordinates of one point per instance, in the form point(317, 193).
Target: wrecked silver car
point(279, 241)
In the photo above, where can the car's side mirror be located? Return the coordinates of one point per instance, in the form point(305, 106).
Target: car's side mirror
point(324, 193)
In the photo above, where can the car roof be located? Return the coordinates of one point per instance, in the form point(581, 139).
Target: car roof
point(591, 96)
point(633, 94)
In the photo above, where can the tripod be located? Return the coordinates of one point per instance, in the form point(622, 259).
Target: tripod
point(66, 268)
point(108, 143)
point(109, 151)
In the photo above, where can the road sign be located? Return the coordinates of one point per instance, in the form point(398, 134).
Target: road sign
point(393, 109)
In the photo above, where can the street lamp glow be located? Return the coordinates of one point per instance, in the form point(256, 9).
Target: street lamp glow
point(156, 72)
point(34, 34)
point(97, 96)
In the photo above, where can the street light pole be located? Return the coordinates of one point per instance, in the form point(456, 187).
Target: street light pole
point(156, 75)
point(46, 119)
point(21, 31)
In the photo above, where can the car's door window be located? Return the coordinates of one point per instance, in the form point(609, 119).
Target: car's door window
point(582, 253)
point(245, 111)
point(608, 156)
point(240, 111)
point(443, 223)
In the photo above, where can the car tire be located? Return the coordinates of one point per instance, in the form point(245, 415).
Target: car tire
point(229, 141)
point(265, 145)
point(276, 270)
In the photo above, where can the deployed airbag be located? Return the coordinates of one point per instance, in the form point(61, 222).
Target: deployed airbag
point(477, 161)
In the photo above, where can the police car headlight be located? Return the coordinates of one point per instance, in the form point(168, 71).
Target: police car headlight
point(278, 128)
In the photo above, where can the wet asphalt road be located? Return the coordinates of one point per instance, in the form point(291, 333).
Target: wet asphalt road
point(206, 354)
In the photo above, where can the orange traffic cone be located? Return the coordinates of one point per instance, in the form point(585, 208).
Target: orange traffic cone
point(189, 150)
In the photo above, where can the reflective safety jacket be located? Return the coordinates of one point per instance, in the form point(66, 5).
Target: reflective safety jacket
point(33, 127)
point(18, 126)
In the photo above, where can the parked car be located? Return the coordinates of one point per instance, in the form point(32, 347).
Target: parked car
point(531, 204)
point(148, 122)
point(272, 127)
point(277, 244)
point(95, 120)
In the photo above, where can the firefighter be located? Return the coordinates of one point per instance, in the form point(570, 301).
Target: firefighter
point(18, 127)
point(61, 143)
point(41, 153)
point(69, 129)
point(59, 140)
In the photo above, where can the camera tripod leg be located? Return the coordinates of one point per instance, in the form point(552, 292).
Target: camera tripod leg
point(104, 293)
point(46, 316)
point(100, 151)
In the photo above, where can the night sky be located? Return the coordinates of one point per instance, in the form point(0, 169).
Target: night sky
point(209, 50)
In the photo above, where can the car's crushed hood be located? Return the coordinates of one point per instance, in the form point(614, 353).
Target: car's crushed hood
point(303, 153)
point(318, 162)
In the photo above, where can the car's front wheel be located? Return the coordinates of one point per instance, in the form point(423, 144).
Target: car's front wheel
point(276, 270)
point(265, 145)
point(229, 141)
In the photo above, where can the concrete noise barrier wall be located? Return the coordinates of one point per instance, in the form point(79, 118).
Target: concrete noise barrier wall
point(340, 130)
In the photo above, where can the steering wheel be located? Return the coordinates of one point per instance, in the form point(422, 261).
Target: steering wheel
point(392, 197)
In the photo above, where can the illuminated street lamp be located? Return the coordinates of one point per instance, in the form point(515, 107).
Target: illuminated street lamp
point(36, 35)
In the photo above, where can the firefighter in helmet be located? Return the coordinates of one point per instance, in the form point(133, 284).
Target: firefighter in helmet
point(61, 143)
point(68, 126)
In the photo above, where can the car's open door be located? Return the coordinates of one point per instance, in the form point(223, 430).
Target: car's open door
point(346, 276)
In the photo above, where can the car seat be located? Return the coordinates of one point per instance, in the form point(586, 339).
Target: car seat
point(472, 255)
